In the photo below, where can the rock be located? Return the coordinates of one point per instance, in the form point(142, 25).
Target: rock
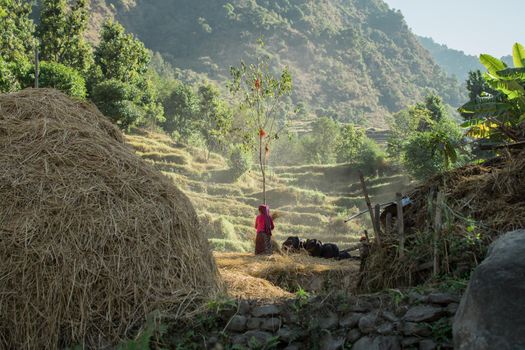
point(377, 343)
point(424, 313)
point(389, 316)
point(361, 306)
point(442, 298)
point(353, 335)
point(491, 314)
point(329, 342)
point(237, 324)
point(350, 320)
point(452, 309)
point(295, 346)
point(367, 323)
point(262, 338)
point(265, 311)
point(386, 328)
point(254, 323)
point(330, 321)
point(286, 335)
point(415, 297)
point(244, 307)
point(271, 324)
point(410, 341)
point(239, 339)
point(291, 318)
point(218, 346)
point(427, 344)
point(419, 329)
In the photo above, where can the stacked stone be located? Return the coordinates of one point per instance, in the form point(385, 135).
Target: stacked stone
point(360, 322)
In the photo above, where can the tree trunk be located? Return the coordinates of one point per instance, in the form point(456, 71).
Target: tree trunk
point(263, 173)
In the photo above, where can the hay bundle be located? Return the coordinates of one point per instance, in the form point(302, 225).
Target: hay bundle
point(91, 237)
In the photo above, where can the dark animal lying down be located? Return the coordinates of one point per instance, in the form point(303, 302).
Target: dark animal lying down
point(314, 248)
point(293, 244)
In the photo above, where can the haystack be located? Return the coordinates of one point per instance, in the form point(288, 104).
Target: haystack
point(92, 238)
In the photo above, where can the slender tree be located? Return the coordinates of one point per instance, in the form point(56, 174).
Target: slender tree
point(262, 93)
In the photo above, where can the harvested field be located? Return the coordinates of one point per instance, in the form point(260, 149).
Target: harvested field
point(285, 272)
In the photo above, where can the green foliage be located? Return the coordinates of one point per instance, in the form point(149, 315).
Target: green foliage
point(181, 110)
point(61, 32)
point(351, 140)
point(9, 80)
point(16, 28)
point(152, 329)
point(499, 113)
point(216, 117)
point(121, 102)
point(119, 85)
point(119, 55)
point(61, 77)
point(425, 139)
point(321, 145)
point(239, 161)
point(371, 157)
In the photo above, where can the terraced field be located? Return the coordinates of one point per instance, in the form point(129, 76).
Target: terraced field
point(312, 200)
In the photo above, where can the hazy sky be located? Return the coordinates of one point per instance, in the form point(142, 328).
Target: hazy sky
point(473, 26)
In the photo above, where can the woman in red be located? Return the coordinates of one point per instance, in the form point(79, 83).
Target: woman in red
point(264, 227)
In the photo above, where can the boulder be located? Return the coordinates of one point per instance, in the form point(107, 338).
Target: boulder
point(377, 343)
point(271, 324)
point(254, 323)
point(330, 342)
point(330, 321)
point(367, 324)
point(237, 324)
point(491, 314)
point(350, 320)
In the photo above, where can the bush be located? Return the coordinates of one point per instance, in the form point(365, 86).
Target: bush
point(371, 157)
point(63, 78)
point(240, 161)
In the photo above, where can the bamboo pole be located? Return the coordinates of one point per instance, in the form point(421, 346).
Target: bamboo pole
point(400, 225)
point(369, 205)
point(388, 223)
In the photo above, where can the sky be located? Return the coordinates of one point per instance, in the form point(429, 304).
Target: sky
point(472, 26)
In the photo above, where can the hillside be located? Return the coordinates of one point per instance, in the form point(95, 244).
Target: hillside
point(353, 60)
point(454, 62)
point(312, 200)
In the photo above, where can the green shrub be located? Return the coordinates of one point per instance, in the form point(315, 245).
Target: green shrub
point(239, 161)
point(63, 78)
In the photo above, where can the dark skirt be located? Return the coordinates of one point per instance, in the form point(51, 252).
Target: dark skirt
point(263, 243)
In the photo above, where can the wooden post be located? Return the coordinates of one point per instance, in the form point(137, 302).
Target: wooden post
point(400, 225)
point(369, 205)
point(388, 223)
point(37, 66)
point(377, 216)
point(437, 233)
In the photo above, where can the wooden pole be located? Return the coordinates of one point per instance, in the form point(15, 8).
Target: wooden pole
point(437, 232)
point(377, 216)
point(400, 225)
point(369, 205)
point(37, 67)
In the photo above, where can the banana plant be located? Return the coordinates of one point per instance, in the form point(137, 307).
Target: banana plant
point(500, 116)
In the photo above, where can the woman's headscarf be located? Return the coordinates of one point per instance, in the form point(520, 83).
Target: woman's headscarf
point(265, 210)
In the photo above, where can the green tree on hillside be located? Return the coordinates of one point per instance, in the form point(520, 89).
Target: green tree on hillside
point(61, 32)
point(119, 84)
point(320, 145)
point(16, 42)
point(181, 108)
point(215, 115)
point(351, 139)
point(263, 104)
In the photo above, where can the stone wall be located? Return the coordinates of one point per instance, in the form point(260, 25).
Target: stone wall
point(388, 321)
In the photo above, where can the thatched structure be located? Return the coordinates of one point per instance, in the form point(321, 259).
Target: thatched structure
point(92, 238)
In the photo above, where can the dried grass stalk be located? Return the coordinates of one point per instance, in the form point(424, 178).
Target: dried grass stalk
point(92, 238)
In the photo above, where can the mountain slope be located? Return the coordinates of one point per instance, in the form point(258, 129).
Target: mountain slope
point(354, 60)
point(454, 62)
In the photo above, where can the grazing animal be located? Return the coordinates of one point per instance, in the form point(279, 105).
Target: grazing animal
point(292, 244)
point(329, 251)
point(314, 247)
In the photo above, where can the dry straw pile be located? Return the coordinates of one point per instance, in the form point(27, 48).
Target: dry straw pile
point(92, 238)
point(481, 202)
